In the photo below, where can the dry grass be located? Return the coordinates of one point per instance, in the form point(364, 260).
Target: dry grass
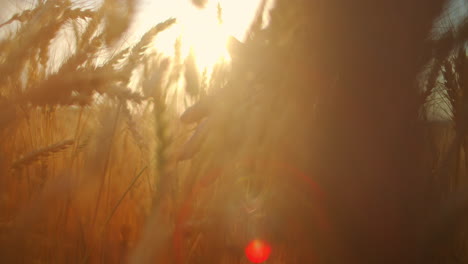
point(84, 198)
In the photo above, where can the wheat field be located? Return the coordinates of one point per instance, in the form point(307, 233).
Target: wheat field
point(336, 133)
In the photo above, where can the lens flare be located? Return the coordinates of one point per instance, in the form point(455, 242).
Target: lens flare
point(257, 251)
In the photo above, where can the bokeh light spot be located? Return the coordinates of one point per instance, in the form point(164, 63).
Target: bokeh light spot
point(258, 251)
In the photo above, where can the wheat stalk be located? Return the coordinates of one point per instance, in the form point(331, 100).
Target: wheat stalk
point(43, 152)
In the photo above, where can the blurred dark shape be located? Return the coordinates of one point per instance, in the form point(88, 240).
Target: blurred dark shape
point(198, 111)
point(354, 75)
point(192, 78)
point(234, 47)
point(200, 3)
point(219, 13)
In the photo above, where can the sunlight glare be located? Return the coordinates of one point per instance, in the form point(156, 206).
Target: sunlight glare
point(204, 35)
point(199, 29)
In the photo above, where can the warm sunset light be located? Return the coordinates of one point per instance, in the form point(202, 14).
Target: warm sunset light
point(233, 131)
point(203, 30)
point(205, 35)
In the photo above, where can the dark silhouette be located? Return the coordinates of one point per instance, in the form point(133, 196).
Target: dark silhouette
point(353, 74)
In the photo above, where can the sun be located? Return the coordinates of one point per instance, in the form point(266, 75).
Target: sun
point(200, 29)
point(203, 34)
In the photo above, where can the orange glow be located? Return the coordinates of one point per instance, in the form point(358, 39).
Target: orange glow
point(258, 251)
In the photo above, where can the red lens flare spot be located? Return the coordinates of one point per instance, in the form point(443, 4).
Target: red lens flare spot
point(257, 251)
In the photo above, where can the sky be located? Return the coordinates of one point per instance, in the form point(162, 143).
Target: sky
point(237, 14)
point(198, 27)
